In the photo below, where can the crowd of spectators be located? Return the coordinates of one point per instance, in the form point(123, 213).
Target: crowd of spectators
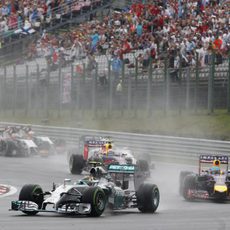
point(182, 30)
point(24, 16)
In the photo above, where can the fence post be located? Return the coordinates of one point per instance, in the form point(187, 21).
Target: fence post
point(122, 86)
point(2, 92)
point(78, 88)
point(4, 88)
point(180, 84)
point(94, 93)
point(37, 93)
point(149, 89)
point(84, 73)
point(71, 91)
point(27, 91)
point(167, 85)
point(196, 82)
point(110, 89)
point(136, 81)
point(47, 92)
point(15, 89)
point(129, 99)
point(228, 96)
point(211, 85)
point(83, 87)
point(59, 91)
point(188, 72)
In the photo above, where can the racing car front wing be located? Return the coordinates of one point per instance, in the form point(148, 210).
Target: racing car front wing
point(29, 206)
point(203, 194)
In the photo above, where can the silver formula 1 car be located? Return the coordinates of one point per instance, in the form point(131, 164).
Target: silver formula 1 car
point(91, 195)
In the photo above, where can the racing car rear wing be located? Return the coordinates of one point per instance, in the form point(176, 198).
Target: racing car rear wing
point(128, 169)
point(210, 158)
point(96, 141)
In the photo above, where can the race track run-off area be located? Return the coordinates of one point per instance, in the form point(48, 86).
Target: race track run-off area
point(173, 213)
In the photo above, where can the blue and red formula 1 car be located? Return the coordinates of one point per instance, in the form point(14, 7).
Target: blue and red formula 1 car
point(100, 151)
point(211, 182)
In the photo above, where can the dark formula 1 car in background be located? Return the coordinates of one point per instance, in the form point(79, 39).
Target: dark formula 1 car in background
point(211, 182)
point(22, 141)
point(12, 143)
point(120, 188)
point(44, 144)
point(97, 150)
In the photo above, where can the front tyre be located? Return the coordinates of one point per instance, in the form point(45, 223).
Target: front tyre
point(182, 176)
point(188, 185)
point(96, 197)
point(148, 198)
point(34, 193)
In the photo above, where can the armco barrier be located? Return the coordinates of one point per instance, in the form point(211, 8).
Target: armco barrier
point(154, 146)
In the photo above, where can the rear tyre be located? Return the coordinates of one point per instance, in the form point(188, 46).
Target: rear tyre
point(11, 149)
point(143, 165)
point(3, 147)
point(148, 198)
point(76, 164)
point(96, 197)
point(34, 193)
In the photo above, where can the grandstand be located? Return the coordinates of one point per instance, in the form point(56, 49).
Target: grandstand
point(143, 30)
point(28, 27)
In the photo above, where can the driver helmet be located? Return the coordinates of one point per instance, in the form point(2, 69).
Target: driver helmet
point(216, 163)
point(215, 169)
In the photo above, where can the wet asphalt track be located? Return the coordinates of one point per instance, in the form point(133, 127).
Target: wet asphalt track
point(173, 213)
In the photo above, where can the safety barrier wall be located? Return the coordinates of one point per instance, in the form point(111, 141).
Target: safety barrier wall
point(149, 146)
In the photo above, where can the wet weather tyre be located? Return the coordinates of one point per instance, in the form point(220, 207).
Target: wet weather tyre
point(76, 164)
point(183, 174)
point(3, 147)
point(96, 197)
point(11, 149)
point(143, 165)
point(148, 198)
point(189, 184)
point(32, 192)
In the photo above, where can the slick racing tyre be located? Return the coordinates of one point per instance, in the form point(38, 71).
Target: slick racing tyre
point(32, 192)
point(76, 164)
point(96, 197)
point(148, 198)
